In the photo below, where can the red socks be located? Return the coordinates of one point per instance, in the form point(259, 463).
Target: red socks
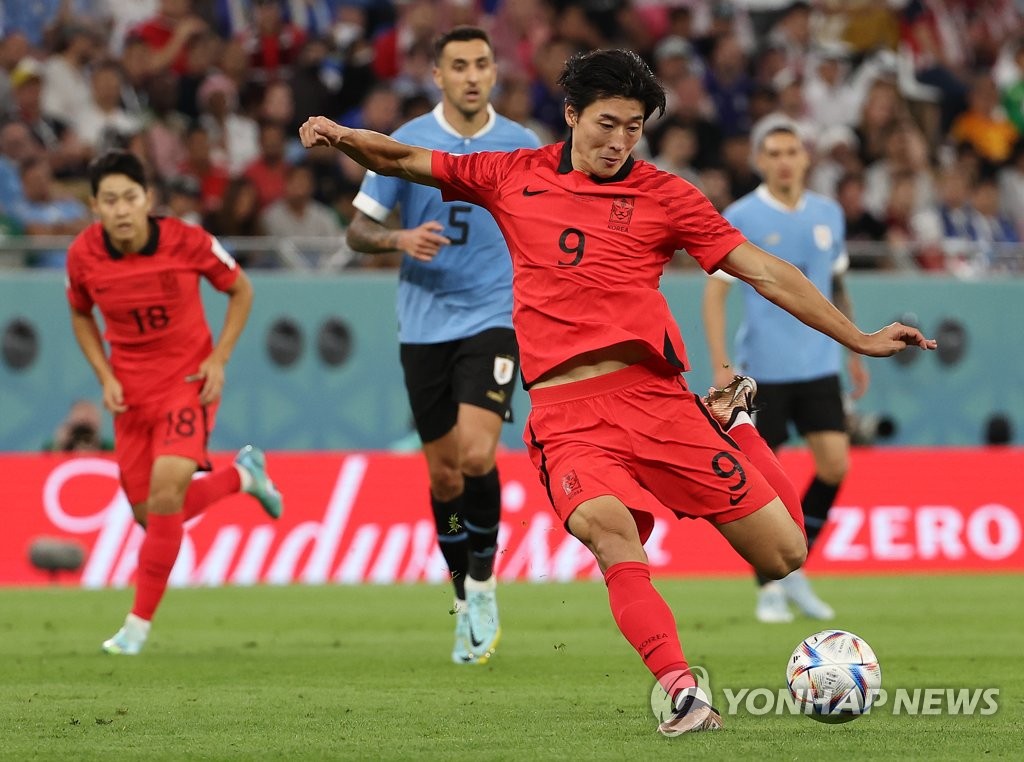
point(761, 455)
point(206, 490)
point(647, 623)
point(156, 559)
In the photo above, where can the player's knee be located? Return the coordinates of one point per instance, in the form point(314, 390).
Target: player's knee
point(786, 558)
point(446, 482)
point(478, 461)
point(165, 500)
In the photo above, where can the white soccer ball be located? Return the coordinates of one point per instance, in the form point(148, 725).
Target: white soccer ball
point(834, 676)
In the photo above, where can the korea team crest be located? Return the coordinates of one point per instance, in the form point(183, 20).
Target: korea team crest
point(504, 367)
point(823, 237)
point(621, 214)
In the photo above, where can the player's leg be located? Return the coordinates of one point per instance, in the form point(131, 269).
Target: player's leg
point(170, 479)
point(427, 371)
point(732, 411)
point(609, 530)
point(821, 419)
point(483, 379)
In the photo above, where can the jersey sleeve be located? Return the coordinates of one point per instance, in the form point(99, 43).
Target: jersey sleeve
point(74, 285)
point(214, 261)
point(473, 177)
point(840, 259)
point(378, 195)
point(697, 226)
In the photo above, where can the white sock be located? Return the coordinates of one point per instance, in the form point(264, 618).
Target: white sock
point(136, 627)
point(245, 477)
point(481, 586)
point(742, 417)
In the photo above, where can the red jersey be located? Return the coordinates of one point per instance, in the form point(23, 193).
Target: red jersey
point(150, 301)
point(588, 254)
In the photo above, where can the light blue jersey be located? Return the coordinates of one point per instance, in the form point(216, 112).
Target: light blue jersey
point(467, 287)
point(772, 345)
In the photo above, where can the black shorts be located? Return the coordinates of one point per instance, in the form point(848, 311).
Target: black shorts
point(812, 406)
point(479, 370)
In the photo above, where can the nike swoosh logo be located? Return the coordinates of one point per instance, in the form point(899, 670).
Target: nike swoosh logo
point(735, 499)
point(472, 637)
point(528, 192)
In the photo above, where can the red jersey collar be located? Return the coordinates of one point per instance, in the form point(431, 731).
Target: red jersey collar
point(565, 166)
point(148, 249)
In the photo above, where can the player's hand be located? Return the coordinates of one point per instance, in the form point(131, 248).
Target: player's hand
point(423, 242)
point(723, 376)
point(211, 371)
point(113, 396)
point(894, 338)
point(321, 131)
point(859, 376)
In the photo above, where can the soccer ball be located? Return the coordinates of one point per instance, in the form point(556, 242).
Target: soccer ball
point(834, 676)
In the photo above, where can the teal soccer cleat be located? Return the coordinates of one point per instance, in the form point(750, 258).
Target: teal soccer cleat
point(484, 628)
point(254, 462)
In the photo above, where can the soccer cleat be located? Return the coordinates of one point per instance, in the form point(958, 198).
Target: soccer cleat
point(260, 487)
point(484, 628)
point(693, 713)
point(797, 588)
point(461, 652)
point(129, 640)
point(726, 403)
point(771, 605)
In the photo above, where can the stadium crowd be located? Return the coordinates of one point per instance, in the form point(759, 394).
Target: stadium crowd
point(914, 109)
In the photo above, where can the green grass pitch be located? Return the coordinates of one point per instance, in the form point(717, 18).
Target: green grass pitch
point(364, 673)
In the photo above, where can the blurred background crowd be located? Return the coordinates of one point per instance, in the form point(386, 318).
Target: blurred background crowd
point(913, 109)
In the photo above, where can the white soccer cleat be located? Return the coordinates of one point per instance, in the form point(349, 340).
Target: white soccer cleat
point(129, 640)
point(797, 589)
point(484, 627)
point(461, 652)
point(771, 605)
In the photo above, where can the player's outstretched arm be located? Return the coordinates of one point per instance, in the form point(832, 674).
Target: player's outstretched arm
point(376, 152)
point(783, 284)
point(422, 242)
point(87, 334)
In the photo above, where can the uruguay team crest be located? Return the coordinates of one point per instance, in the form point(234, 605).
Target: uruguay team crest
point(504, 367)
point(823, 237)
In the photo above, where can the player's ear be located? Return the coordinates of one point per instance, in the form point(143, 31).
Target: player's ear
point(571, 117)
point(437, 76)
point(150, 200)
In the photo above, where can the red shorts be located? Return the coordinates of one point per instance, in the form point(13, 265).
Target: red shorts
point(173, 425)
point(642, 436)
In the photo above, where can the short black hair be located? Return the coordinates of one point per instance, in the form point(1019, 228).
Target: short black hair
point(116, 163)
point(588, 77)
point(460, 34)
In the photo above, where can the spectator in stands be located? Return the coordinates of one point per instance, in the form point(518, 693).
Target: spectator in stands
point(689, 106)
point(861, 225)
point(66, 83)
point(882, 110)
point(168, 33)
point(297, 214)
point(984, 125)
point(1011, 187)
point(729, 85)
point(239, 214)
point(999, 241)
point(268, 172)
point(166, 126)
point(80, 431)
point(234, 137)
point(273, 44)
point(68, 155)
point(676, 151)
point(201, 53)
point(906, 154)
point(17, 145)
point(417, 22)
point(183, 199)
point(199, 163)
point(836, 149)
point(104, 115)
point(134, 76)
point(45, 212)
